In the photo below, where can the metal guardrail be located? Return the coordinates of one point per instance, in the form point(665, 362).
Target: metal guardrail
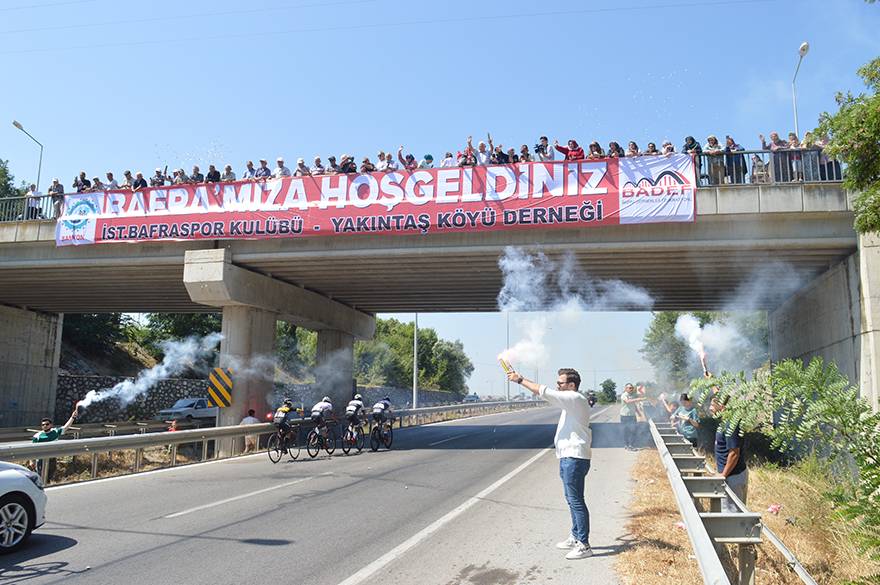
point(766, 167)
point(82, 431)
point(138, 442)
point(709, 531)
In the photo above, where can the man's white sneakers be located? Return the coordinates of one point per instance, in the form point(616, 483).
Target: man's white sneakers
point(567, 544)
point(579, 551)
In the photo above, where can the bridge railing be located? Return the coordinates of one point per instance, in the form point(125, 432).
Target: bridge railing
point(765, 167)
point(27, 208)
point(744, 167)
point(710, 531)
point(93, 447)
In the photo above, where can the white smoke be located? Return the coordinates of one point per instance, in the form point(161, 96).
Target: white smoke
point(179, 356)
point(688, 328)
point(556, 292)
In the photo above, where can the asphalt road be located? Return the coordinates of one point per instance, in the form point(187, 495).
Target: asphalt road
point(475, 501)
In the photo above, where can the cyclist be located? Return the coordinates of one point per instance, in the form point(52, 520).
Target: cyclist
point(382, 410)
point(283, 416)
point(353, 411)
point(321, 413)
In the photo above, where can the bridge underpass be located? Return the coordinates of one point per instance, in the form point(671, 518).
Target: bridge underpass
point(684, 266)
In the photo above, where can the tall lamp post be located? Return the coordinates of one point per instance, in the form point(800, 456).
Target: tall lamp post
point(18, 125)
point(802, 52)
point(415, 387)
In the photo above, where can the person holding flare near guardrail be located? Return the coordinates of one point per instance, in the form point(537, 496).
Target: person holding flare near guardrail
point(572, 441)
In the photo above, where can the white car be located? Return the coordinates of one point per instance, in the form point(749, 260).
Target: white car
point(22, 505)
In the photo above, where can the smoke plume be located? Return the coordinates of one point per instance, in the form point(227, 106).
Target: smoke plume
point(179, 357)
point(555, 291)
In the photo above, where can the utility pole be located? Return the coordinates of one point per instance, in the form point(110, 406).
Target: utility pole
point(508, 347)
point(415, 396)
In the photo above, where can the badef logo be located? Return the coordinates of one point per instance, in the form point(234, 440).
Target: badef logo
point(668, 182)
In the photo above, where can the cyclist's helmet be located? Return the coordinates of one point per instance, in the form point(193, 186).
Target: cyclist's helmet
point(386, 397)
point(326, 399)
point(358, 397)
point(288, 402)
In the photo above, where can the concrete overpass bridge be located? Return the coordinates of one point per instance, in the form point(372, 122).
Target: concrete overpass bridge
point(336, 284)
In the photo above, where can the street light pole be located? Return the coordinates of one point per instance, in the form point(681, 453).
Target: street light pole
point(508, 347)
point(18, 125)
point(802, 52)
point(415, 396)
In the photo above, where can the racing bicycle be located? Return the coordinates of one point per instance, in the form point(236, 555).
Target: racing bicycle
point(322, 436)
point(280, 443)
point(382, 433)
point(353, 437)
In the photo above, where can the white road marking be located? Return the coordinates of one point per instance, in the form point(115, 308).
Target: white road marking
point(446, 440)
point(242, 496)
point(420, 536)
point(401, 549)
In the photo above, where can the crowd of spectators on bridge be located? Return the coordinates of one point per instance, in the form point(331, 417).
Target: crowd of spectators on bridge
point(717, 163)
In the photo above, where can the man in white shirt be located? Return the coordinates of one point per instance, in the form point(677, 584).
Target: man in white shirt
point(33, 202)
point(250, 441)
point(572, 441)
point(280, 170)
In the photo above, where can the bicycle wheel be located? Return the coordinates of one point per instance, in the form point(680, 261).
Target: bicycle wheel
point(313, 444)
point(273, 448)
point(375, 439)
point(359, 439)
point(388, 438)
point(293, 447)
point(347, 441)
point(330, 441)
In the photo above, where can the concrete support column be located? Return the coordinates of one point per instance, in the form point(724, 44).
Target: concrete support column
point(247, 348)
point(30, 352)
point(869, 295)
point(334, 368)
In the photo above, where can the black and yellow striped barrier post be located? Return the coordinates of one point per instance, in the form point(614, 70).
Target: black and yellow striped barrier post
point(220, 387)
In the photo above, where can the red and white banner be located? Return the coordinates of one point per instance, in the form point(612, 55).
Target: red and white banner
point(554, 195)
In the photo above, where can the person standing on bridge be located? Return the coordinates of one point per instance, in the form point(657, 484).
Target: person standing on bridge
point(573, 441)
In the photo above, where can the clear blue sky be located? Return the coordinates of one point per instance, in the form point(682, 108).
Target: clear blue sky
point(114, 85)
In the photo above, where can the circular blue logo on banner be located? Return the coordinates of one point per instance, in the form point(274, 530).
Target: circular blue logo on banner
point(83, 208)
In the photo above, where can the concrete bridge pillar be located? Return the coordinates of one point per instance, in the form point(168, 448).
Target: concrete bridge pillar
point(247, 346)
point(30, 352)
point(251, 303)
point(335, 367)
point(869, 272)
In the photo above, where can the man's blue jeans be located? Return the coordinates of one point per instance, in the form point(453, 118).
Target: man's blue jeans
point(573, 472)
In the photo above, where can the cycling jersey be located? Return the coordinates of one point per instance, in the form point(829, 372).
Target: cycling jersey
point(322, 410)
point(354, 407)
point(382, 410)
point(283, 415)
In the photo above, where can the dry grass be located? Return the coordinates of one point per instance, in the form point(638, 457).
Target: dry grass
point(661, 552)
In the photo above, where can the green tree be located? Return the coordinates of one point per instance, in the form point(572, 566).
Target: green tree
point(164, 326)
point(812, 406)
point(96, 332)
point(609, 390)
point(854, 133)
point(7, 182)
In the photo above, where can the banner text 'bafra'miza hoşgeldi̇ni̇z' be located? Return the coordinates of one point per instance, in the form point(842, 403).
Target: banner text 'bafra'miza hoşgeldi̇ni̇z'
point(562, 194)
